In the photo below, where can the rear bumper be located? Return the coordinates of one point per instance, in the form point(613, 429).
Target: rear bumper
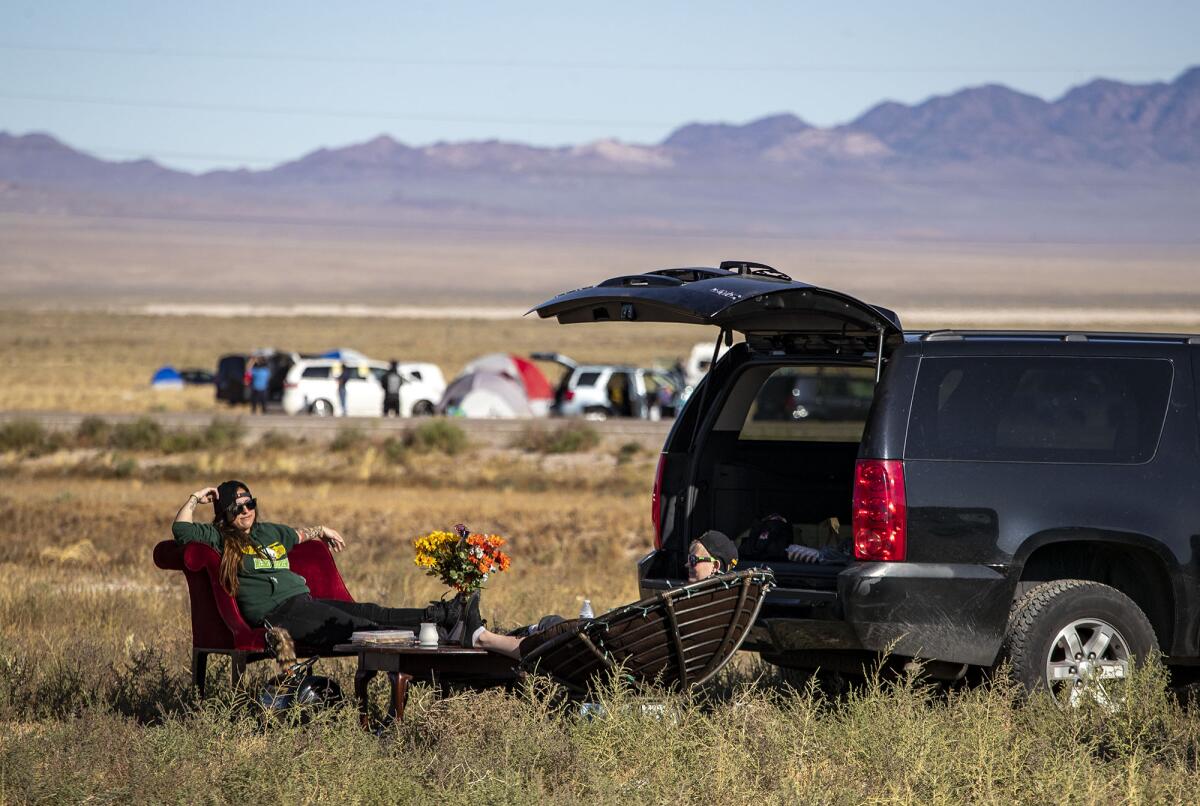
point(941, 611)
point(947, 612)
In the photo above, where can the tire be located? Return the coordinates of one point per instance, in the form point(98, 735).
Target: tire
point(1056, 638)
point(422, 408)
point(596, 414)
point(321, 408)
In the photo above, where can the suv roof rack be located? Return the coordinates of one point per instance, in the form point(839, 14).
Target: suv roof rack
point(754, 269)
point(1057, 335)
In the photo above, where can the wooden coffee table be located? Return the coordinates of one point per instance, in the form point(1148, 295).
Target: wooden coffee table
point(443, 666)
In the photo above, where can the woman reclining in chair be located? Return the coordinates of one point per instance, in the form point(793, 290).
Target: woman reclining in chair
point(712, 553)
point(255, 571)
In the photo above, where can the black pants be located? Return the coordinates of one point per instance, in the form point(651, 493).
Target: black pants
point(391, 405)
point(258, 400)
point(317, 624)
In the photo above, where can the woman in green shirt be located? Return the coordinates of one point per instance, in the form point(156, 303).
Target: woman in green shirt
point(255, 571)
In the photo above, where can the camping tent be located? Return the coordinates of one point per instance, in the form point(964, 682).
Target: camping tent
point(536, 388)
point(167, 378)
point(484, 394)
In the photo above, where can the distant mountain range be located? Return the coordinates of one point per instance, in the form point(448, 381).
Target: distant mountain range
point(1106, 161)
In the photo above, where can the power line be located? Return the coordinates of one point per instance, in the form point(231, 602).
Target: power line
point(715, 65)
point(333, 113)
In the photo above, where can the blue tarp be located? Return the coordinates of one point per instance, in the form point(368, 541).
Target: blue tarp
point(167, 377)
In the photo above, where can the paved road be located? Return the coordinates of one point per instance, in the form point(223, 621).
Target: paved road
point(650, 435)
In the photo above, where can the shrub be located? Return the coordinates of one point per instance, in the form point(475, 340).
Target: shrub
point(572, 437)
point(347, 439)
point(93, 431)
point(123, 467)
point(627, 452)
point(437, 435)
point(143, 434)
point(277, 440)
point(395, 451)
point(224, 433)
point(22, 435)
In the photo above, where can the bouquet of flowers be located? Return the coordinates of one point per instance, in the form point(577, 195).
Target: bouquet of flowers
point(462, 560)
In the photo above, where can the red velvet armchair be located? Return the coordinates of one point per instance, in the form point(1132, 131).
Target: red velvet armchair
point(217, 625)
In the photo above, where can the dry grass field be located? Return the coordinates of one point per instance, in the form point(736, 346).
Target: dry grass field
point(95, 704)
point(94, 698)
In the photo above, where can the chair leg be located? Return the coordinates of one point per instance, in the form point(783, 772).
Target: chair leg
point(199, 670)
point(237, 667)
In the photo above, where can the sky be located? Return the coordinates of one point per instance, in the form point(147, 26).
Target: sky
point(220, 84)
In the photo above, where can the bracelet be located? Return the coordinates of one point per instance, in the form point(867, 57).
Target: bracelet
point(193, 495)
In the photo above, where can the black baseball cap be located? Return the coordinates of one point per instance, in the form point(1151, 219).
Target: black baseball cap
point(720, 546)
point(227, 496)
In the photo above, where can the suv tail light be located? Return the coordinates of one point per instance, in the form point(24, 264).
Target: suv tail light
point(880, 511)
point(569, 396)
point(656, 502)
point(291, 386)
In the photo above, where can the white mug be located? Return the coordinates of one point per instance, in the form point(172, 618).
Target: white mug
point(429, 634)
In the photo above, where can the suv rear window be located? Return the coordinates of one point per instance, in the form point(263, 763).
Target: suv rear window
point(810, 404)
point(316, 372)
point(1053, 409)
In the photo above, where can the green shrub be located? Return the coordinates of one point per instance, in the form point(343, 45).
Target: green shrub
point(437, 435)
point(123, 467)
point(347, 439)
point(143, 434)
point(394, 450)
point(571, 437)
point(180, 441)
point(93, 432)
point(223, 432)
point(22, 435)
point(278, 441)
point(627, 452)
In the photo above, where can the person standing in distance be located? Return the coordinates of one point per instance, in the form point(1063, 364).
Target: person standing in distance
point(391, 390)
point(260, 380)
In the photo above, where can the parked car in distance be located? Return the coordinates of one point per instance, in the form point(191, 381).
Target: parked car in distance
point(196, 377)
point(1006, 496)
point(598, 392)
point(311, 387)
point(698, 362)
point(230, 376)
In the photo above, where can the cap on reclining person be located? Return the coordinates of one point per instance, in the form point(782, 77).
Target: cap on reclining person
point(720, 546)
point(227, 496)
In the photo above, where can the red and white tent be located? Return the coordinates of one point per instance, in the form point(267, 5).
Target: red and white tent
point(538, 390)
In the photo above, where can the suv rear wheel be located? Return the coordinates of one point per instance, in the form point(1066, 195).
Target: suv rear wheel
point(321, 408)
point(422, 408)
point(1071, 635)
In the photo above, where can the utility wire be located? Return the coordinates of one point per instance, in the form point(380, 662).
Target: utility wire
point(720, 65)
point(310, 112)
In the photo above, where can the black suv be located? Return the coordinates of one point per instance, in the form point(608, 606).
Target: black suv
point(1020, 495)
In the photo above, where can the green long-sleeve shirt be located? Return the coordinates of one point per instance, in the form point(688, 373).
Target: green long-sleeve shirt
point(265, 578)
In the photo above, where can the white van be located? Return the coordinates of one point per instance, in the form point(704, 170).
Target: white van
point(311, 387)
point(698, 363)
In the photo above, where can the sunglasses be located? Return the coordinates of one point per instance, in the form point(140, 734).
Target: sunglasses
point(237, 508)
point(694, 560)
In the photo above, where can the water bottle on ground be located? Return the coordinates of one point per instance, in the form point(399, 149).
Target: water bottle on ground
point(586, 610)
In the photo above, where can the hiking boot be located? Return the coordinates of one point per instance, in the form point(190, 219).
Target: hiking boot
point(471, 622)
point(445, 614)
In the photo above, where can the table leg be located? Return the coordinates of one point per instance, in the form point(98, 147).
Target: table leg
point(362, 679)
point(400, 683)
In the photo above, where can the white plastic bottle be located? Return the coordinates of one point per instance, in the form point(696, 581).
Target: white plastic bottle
point(586, 610)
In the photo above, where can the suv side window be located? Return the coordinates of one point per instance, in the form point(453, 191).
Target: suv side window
point(315, 372)
point(587, 379)
point(1049, 409)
